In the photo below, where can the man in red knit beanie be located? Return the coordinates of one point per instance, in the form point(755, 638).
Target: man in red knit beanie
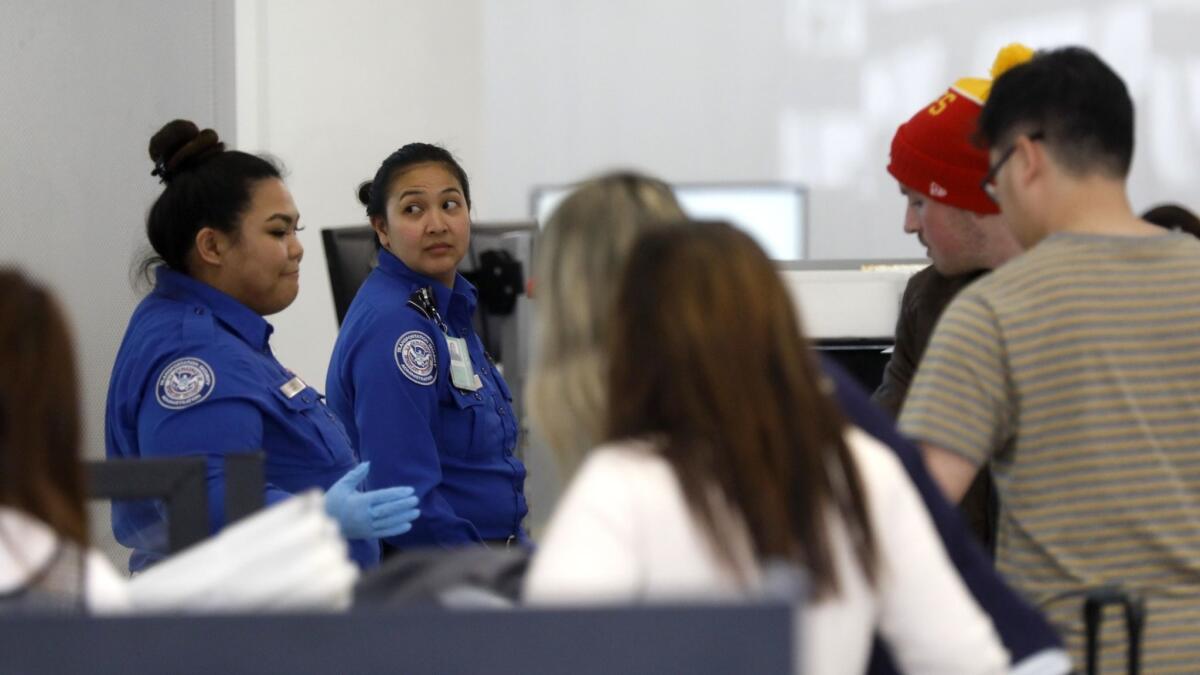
point(940, 169)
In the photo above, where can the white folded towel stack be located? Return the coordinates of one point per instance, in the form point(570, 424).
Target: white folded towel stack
point(290, 556)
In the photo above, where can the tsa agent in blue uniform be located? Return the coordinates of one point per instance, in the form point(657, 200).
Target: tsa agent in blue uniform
point(420, 398)
point(195, 374)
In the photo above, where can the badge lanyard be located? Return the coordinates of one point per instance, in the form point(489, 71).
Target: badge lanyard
point(462, 372)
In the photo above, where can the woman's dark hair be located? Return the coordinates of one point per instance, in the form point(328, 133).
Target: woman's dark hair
point(707, 359)
point(40, 469)
point(1075, 100)
point(1174, 217)
point(373, 194)
point(206, 186)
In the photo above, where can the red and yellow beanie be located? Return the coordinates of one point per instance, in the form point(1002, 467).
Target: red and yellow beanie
point(933, 152)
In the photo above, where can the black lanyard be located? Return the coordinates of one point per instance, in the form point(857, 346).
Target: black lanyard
point(423, 301)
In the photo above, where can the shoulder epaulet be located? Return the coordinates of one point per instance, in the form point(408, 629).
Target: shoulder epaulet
point(198, 323)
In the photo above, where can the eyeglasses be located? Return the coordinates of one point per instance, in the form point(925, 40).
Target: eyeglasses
point(989, 181)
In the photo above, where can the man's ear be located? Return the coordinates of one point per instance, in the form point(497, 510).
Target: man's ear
point(379, 224)
point(1031, 159)
point(211, 246)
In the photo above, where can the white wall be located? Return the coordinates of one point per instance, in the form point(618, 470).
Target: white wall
point(82, 88)
point(531, 92)
point(802, 90)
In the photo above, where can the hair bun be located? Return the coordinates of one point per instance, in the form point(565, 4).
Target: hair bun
point(179, 144)
point(364, 192)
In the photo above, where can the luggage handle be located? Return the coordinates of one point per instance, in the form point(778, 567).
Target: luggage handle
point(1135, 620)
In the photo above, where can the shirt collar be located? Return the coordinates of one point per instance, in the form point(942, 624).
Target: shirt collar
point(463, 289)
point(248, 324)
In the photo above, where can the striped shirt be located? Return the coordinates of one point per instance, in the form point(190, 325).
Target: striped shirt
point(1076, 369)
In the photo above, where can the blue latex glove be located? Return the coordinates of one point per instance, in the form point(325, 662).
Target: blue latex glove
point(370, 515)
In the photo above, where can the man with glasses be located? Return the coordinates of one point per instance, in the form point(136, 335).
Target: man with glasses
point(939, 169)
point(1072, 368)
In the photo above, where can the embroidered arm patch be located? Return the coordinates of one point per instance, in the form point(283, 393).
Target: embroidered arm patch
point(184, 382)
point(416, 357)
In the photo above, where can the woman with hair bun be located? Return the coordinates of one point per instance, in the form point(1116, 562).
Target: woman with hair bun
point(420, 397)
point(195, 374)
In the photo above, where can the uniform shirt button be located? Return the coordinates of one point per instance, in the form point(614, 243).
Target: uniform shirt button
point(199, 311)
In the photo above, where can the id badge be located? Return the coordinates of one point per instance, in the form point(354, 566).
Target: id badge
point(292, 387)
point(462, 373)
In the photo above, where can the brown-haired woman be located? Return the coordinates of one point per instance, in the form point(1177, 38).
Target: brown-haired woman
point(724, 453)
point(45, 562)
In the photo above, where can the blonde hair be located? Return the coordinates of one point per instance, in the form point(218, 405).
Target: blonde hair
point(578, 263)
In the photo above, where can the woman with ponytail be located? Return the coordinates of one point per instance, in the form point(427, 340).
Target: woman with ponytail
point(421, 398)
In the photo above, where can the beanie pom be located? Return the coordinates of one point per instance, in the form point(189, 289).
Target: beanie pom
point(933, 152)
point(1010, 56)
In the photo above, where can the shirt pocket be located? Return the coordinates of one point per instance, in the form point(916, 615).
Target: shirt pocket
point(501, 384)
point(317, 426)
point(460, 418)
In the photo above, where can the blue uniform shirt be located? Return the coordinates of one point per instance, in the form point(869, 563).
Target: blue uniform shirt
point(389, 381)
point(195, 376)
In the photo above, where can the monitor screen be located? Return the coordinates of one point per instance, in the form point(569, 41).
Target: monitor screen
point(773, 213)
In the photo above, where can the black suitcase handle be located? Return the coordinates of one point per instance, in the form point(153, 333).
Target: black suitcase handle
point(1135, 623)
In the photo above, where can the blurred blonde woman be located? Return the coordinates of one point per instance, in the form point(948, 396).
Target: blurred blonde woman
point(583, 249)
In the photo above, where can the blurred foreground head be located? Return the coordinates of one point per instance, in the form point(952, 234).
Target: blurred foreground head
point(40, 471)
point(708, 362)
point(580, 256)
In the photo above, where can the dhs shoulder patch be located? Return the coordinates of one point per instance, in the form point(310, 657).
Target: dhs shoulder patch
point(184, 382)
point(416, 357)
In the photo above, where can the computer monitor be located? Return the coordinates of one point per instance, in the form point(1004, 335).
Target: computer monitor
point(350, 255)
point(775, 214)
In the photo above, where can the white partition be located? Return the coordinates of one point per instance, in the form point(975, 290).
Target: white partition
point(850, 300)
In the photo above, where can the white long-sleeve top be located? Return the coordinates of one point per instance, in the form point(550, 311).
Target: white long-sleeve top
point(623, 533)
point(28, 545)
